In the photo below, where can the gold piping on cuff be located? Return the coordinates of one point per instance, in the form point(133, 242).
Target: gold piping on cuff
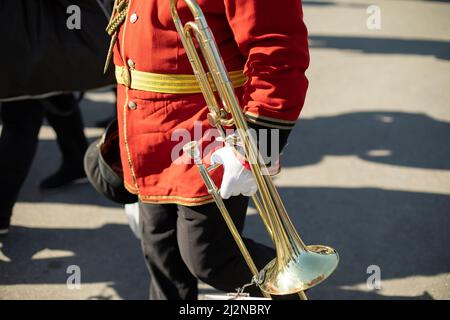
point(270, 119)
point(269, 122)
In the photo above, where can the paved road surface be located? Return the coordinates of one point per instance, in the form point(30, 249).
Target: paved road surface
point(367, 170)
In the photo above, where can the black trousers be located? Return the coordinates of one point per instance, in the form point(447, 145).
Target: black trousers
point(182, 244)
point(64, 116)
point(21, 122)
point(18, 142)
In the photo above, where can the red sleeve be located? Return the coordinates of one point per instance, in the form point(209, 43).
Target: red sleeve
point(273, 38)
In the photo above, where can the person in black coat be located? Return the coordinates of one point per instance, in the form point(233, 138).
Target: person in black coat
point(22, 121)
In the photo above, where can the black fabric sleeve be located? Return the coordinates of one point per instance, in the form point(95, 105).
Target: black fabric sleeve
point(270, 148)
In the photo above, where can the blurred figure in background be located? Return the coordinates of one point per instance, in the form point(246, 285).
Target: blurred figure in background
point(63, 114)
point(22, 121)
point(52, 57)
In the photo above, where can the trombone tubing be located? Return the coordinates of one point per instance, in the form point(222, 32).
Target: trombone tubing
point(271, 201)
point(209, 96)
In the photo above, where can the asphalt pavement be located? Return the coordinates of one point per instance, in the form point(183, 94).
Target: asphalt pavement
point(367, 171)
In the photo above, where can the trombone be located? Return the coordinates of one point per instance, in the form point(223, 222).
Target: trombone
point(296, 267)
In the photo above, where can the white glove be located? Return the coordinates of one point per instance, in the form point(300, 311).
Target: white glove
point(132, 212)
point(236, 178)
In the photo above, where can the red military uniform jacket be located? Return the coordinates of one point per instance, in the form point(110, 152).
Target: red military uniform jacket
point(266, 39)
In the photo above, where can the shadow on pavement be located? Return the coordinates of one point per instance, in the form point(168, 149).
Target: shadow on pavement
point(107, 254)
point(401, 232)
point(394, 138)
point(370, 45)
point(445, 1)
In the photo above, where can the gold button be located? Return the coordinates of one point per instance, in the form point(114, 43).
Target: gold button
point(132, 105)
point(133, 18)
point(131, 63)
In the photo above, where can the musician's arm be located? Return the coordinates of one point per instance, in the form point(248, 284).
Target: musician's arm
point(273, 38)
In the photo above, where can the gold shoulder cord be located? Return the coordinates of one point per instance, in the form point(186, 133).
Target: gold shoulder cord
point(117, 18)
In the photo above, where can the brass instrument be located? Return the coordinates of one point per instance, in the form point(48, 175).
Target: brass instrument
point(297, 267)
